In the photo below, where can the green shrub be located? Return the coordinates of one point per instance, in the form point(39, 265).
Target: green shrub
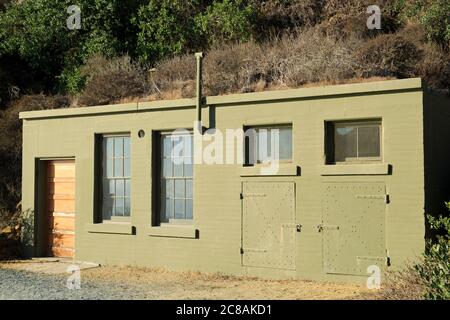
point(433, 15)
point(427, 278)
point(226, 21)
point(435, 270)
point(166, 27)
point(36, 32)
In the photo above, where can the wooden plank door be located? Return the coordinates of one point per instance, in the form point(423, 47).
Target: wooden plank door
point(61, 207)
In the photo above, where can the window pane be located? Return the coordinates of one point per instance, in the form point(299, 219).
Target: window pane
point(128, 188)
point(169, 210)
point(108, 205)
point(109, 167)
point(188, 170)
point(167, 146)
point(263, 144)
point(120, 188)
point(126, 148)
point(118, 147)
point(179, 188)
point(177, 169)
point(187, 146)
point(179, 209)
point(127, 207)
point(189, 188)
point(285, 144)
point(126, 167)
point(111, 187)
point(345, 138)
point(109, 147)
point(369, 141)
point(167, 167)
point(169, 188)
point(119, 207)
point(118, 167)
point(189, 209)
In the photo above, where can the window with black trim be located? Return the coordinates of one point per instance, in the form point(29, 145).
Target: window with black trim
point(268, 143)
point(175, 172)
point(116, 177)
point(353, 141)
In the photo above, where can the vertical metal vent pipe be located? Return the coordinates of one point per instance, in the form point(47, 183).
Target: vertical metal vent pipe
point(199, 103)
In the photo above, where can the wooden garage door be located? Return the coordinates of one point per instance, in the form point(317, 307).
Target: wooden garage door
point(61, 207)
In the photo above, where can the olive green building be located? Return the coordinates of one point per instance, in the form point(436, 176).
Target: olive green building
point(359, 167)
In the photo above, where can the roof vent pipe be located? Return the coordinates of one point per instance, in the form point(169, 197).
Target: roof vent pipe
point(199, 103)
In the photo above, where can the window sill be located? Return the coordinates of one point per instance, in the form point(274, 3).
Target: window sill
point(174, 231)
point(355, 169)
point(283, 170)
point(110, 227)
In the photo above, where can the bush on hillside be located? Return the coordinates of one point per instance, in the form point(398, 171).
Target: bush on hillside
point(165, 28)
point(433, 15)
point(226, 21)
point(388, 55)
point(275, 16)
point(110, 80)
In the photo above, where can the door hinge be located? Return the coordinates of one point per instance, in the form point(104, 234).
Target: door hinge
point(241, 196)
point(242, 250)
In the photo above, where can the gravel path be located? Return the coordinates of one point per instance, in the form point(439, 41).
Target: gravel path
point(18, 285)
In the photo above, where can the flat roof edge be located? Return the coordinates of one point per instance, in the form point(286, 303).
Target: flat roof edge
point(241, 98)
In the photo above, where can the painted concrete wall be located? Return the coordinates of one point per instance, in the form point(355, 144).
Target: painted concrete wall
point(217, 203)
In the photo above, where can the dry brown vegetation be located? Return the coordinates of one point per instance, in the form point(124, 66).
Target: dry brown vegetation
point(109, 80)
point(404, 284)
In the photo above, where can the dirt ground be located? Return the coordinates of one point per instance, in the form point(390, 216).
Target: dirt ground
point(194, 285)
point(145, 283)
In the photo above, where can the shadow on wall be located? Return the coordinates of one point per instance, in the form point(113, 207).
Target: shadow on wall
point(437, 155)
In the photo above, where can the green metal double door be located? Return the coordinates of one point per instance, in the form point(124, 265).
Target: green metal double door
point(352, 228)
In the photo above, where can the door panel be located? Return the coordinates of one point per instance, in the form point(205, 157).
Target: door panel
point(61, 207)
point(269, 228)
point(353, 227)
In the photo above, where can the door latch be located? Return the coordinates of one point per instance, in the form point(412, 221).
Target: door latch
point(322, 227)
point(298, 227)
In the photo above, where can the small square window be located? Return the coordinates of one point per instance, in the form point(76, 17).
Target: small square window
point(350, 142)
point(268, 143)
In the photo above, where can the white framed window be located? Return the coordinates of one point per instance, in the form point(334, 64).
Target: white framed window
point(116, 177)
point(176, 178)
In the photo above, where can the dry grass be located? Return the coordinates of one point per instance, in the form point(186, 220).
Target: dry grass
point(109, 80)
point(404, 284)
point(196, 285)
